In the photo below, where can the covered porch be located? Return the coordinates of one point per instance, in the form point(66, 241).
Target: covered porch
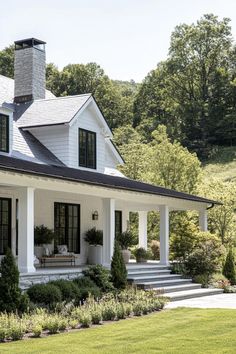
point(29, 200)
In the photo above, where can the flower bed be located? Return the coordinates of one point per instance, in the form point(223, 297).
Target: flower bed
point(111, 307)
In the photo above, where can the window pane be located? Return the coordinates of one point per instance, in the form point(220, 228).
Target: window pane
point(87, 149)
point(68, 227)
point(82, 147)
point(4, 133)
point(5, 224)
point(91, 150)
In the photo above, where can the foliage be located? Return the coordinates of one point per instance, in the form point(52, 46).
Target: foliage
point(94, 237)
point(11, 298)
point(45, 294)
point(101, 277)
point(126, 239)
point(7, 62)
point(161, 162)
point(155, 249)
point(43, 235)
point(118, 268)
point(229, 267)
point(141, 254)
point(87, 287)
point(183, 237)
point(230, 289)
point(206, 257)
point(192, 92)
point(218, 280)
point(69, 290)
point(221, 219)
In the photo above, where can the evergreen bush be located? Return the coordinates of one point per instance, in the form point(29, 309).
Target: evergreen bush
point(229, 267)
point(118, 268)
point(11, 298)
point(101, 277)
point(45, 294)
point(86, 287)
point(69, 290)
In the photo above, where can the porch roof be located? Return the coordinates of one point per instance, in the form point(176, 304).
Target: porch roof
point(94, 178)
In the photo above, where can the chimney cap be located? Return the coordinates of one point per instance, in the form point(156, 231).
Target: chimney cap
point(29, 43)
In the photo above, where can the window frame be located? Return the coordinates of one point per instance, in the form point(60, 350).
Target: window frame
point(7, 134)
point(9, 201)
point(87, 132)
point(66, 227)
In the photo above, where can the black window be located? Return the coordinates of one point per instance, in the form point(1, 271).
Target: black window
point(5, 224)
point(87, 149)
point(4, 133)
point(67, 225)
point(118, 222)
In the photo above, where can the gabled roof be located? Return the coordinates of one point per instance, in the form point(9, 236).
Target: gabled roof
point(94, 178)
point(52, 111)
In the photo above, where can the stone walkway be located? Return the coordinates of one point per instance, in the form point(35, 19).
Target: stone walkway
point(224, 301)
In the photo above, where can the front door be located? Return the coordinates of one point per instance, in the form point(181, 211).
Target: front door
point(67, 225)
point(5, 224)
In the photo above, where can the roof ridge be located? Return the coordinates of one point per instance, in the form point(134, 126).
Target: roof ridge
point(62, 97)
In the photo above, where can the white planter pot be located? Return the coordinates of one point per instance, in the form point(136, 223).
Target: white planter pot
point(95, 254)
point(38, 251)
point(126, 255)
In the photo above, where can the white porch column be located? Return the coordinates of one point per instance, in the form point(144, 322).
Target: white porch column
point(108, 230)
point(203, 220)
point(142, 229)
point(26, 230)
point(125, 220)
point(164, 234)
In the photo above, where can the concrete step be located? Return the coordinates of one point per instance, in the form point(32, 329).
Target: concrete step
point(152, 278)
point(178, 288)
point(148, 273)
point(145, 266)
point(190, 294)
point(163, 283)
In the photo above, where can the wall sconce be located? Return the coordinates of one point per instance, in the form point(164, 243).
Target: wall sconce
point(95, 215)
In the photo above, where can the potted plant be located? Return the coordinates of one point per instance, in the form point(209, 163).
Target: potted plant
point(126, 240)
point(141, 255)
point(94, 238)
point(43, 237)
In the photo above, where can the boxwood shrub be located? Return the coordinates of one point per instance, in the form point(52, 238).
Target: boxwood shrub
point(87, 286)
point(45, 294)
point(69, 290)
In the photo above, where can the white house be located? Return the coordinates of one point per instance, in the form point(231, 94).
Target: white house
point(58, 167)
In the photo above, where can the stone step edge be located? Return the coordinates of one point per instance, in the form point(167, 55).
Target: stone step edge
point(191, 294)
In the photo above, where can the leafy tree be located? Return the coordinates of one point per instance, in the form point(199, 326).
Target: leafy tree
point(193, 91)
point(206, 257)
point(161, 162)
point(221, 219)
point(229, 267)
point(118, 268)
point(7, 62)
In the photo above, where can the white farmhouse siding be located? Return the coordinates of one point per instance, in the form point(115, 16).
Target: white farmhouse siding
point(89, 121)
point(56, 139)
point(44, 213)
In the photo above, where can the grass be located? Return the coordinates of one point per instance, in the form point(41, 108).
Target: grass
point(181, 330)
point(222, 164)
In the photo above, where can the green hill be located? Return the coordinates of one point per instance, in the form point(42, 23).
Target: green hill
point(222, 164)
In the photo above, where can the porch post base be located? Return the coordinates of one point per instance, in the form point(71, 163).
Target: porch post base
point(27, 269)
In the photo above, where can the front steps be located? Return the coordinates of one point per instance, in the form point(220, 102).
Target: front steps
point(151, 276)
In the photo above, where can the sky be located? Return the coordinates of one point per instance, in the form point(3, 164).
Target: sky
point(127, 38)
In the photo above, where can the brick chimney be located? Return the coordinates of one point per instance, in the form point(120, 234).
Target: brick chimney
point(29, 70)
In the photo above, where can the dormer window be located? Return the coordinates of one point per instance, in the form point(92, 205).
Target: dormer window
point(87, 149)
point(4, 133)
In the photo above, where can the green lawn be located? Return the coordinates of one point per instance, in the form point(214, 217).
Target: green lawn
point(179, 331)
